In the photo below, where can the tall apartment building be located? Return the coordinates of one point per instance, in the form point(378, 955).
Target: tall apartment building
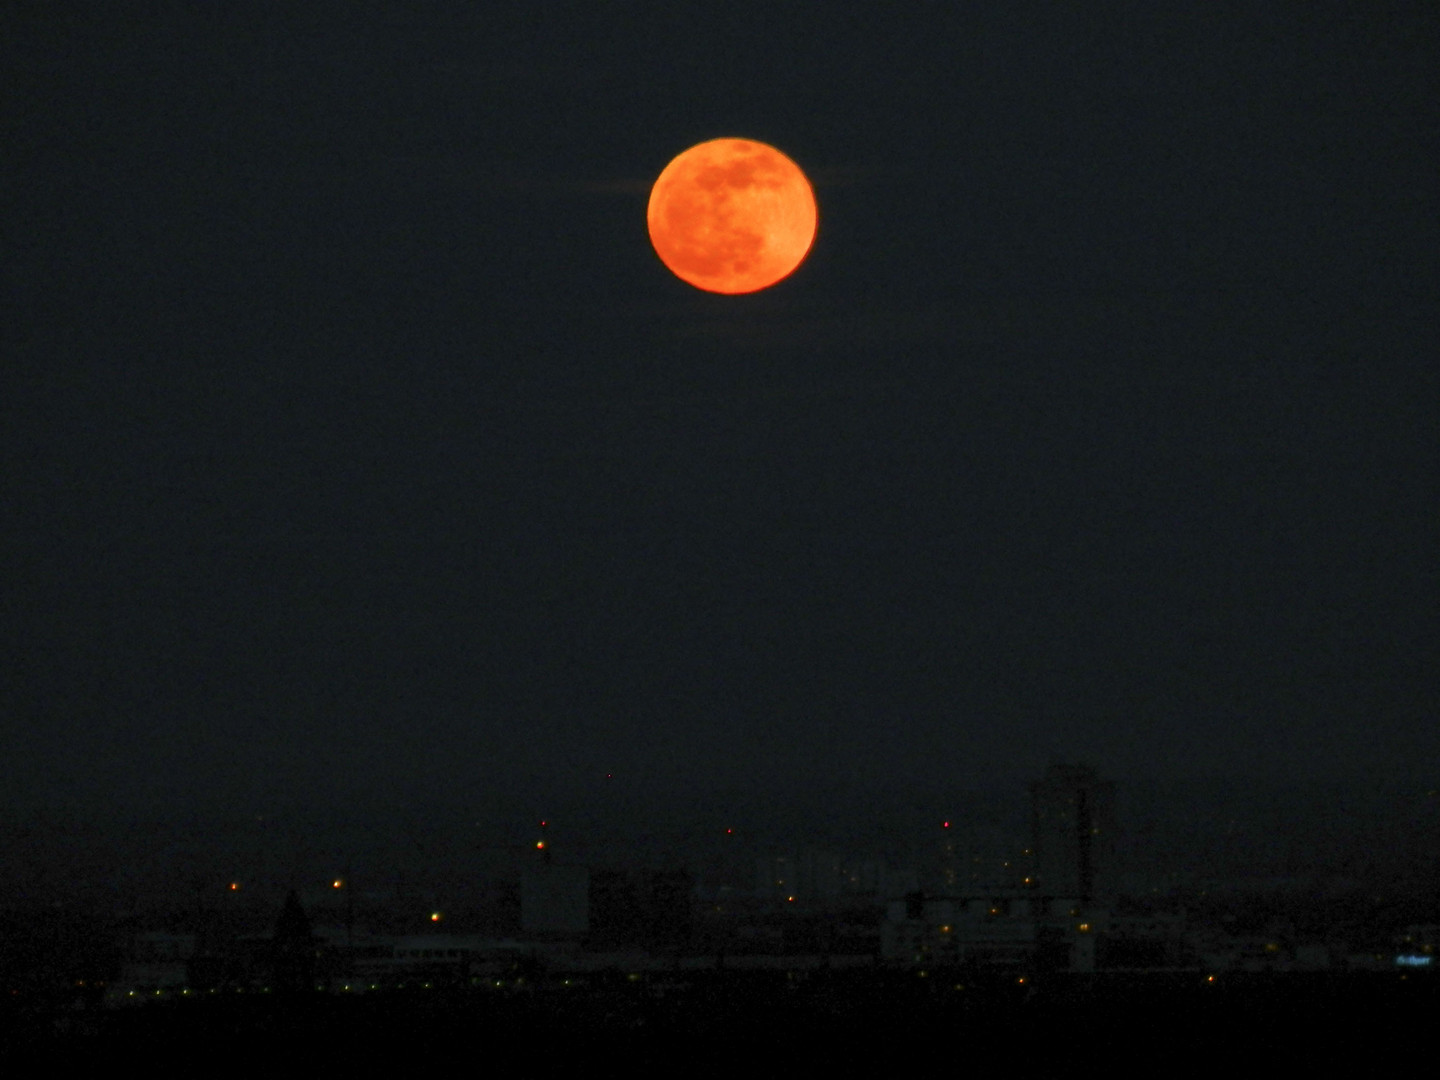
point(1073, 821)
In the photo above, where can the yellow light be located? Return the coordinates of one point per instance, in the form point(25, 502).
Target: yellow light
point(337, 883)
point(1084, 928)
point(944, 929)
point(435, 916)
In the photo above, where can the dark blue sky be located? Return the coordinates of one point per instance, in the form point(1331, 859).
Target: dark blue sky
point(354, 445)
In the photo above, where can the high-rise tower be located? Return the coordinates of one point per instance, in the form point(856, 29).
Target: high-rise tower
point(1074, 824)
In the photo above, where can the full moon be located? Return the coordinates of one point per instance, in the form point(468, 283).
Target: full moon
point(732, 216)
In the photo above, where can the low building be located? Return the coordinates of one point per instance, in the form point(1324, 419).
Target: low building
point(155, 963)
point(1006, 930)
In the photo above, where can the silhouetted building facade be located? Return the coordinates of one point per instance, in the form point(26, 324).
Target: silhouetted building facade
point(1073, 818)
point(293, 951)
point(641, 909)
point(555, 899)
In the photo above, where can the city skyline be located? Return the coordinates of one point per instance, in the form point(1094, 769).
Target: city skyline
point(1164, 841)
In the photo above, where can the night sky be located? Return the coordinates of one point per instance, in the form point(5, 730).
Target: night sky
point(356, 448)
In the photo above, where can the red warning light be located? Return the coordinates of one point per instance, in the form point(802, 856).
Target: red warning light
point(946, 825)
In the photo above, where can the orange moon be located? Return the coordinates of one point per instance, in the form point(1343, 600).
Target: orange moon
point(732, 216)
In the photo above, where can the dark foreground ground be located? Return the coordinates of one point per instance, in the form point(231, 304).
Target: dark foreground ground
point(941, 1024)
